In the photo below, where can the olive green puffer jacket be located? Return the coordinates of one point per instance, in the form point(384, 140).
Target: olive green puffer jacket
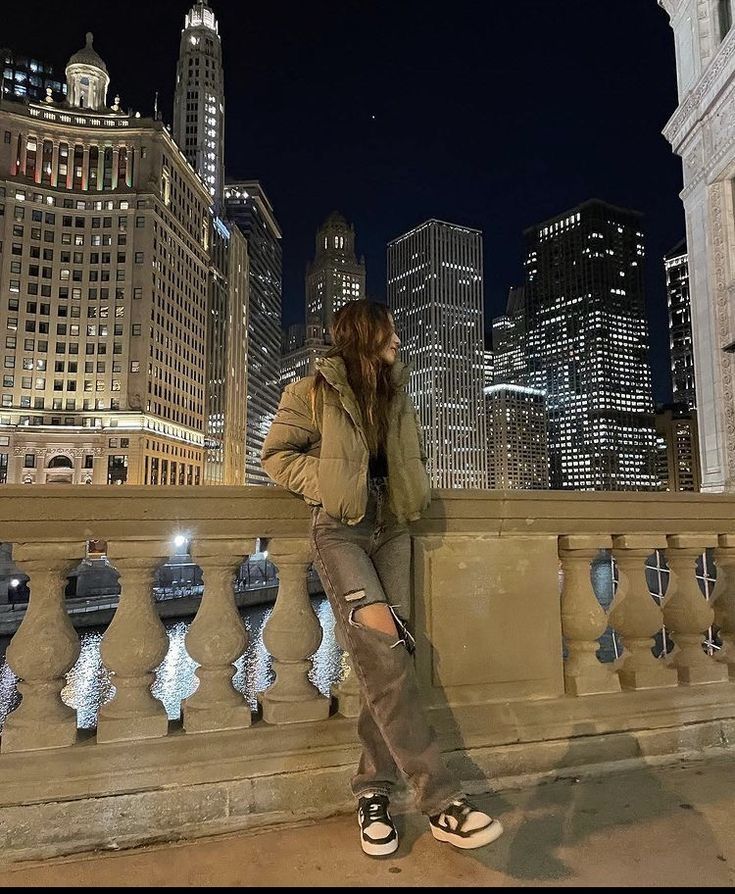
point(326, 460)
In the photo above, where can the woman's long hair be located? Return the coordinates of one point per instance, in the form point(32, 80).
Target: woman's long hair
point(362, 330)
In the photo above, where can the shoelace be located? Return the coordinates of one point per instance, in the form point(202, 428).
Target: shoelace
point(459, 810)
point(376, 810)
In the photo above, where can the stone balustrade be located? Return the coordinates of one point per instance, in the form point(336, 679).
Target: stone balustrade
point(507, 624)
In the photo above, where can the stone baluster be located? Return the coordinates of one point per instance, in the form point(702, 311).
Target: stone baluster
point(133, 646)
point(687, 614)
point(217, 637)
point(44, 648)
point(723, 600)
point(583, 619)
point(292, 635)
point(636, 616)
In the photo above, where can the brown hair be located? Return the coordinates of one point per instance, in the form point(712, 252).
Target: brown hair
point(362, 330)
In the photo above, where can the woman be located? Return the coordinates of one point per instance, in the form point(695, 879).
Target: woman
point(348, 441)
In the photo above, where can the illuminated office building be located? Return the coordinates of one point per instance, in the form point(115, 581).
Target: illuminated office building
point(247, 206)
point(489, 361)
point(587, 347)
point(24, 78)
point(227, 355)
point(676, 266)
point(677, 448)
point(517, 454)
point(435, 290)
point(510, 360)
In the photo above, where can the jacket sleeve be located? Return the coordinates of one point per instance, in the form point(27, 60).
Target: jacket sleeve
point(420, 436)
point(285, 450)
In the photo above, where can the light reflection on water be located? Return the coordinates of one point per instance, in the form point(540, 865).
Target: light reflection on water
point(89, 683)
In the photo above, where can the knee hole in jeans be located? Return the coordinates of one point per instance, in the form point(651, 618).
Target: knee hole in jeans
point(376, 616)
point(382, 619)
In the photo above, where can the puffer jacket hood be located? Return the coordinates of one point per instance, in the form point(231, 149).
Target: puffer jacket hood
point(325, 458)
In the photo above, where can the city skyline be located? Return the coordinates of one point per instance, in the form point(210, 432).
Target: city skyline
point(500, 193)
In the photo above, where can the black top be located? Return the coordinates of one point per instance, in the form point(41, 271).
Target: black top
point(378, 464)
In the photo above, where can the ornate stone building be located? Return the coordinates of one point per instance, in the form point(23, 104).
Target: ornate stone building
point(702, 132)
point(104, 229)
point(335, 276)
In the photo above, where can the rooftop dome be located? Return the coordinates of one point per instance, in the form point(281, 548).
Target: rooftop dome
point(88, 55)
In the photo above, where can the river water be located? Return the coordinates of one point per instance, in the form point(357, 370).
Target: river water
point(89, 686)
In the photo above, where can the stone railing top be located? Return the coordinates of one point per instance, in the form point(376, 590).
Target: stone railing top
point(133, 513)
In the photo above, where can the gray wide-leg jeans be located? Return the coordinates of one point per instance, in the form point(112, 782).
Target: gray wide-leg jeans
point(360, 565)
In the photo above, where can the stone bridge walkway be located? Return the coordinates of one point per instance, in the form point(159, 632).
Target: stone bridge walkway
point(657, 827)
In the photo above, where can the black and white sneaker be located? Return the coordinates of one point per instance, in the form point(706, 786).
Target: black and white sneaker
point(378, 835)
point(464, 825)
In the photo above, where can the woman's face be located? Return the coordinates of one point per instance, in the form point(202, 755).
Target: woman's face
point(390, 353)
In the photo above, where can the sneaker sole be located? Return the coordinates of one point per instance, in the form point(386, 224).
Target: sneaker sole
point(378, 850)
point(480, 839)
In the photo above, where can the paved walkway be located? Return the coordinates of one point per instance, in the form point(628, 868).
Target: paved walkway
point(668, 827)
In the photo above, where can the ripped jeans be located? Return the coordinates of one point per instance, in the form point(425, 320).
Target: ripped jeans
point(360, 565)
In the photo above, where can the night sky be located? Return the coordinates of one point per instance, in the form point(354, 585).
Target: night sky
point(492, 114)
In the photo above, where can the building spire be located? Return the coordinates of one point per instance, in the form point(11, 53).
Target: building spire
point(199, 101)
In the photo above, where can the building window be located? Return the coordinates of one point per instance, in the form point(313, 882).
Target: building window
point(117, 469)
point(29, 461)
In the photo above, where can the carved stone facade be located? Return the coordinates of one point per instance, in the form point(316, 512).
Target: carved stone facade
point(702, 132)
point(103, 289)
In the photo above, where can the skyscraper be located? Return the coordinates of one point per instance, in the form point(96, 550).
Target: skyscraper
point(104, 283)
point(247, 205)
point(510, 359)
point(227, 353)
point(516, 438)
point(678, 448)
point(436, 294)
point(489, 360)
point(199, 100)
point(676, 265)
point(587, 344)
point(335, 276)
point(303, 344)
